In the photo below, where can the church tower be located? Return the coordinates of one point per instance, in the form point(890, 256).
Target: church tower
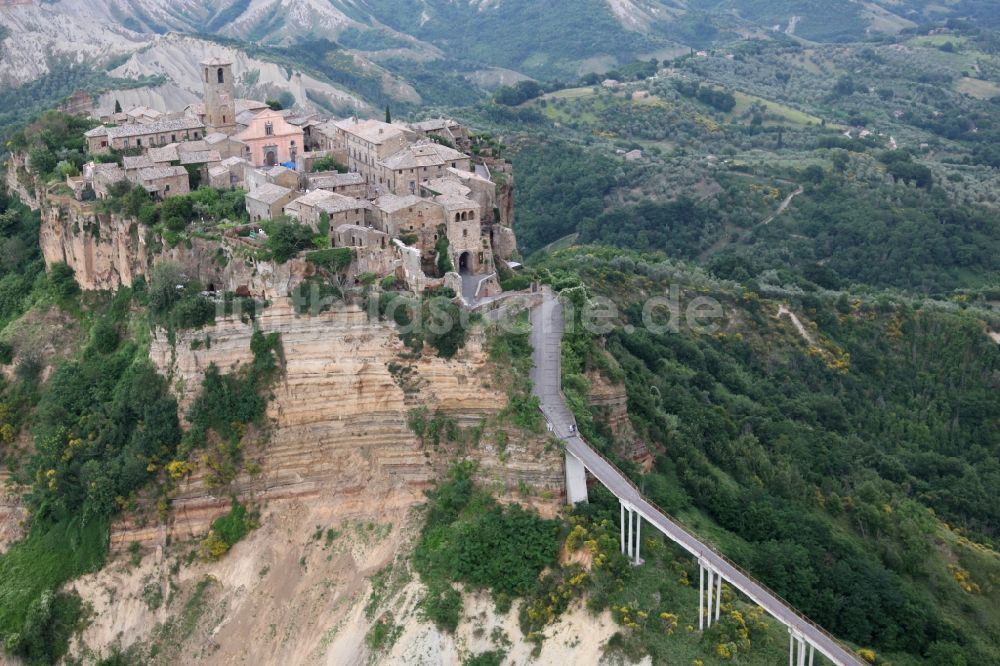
point(220, 96)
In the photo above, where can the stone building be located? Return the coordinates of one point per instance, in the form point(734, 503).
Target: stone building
point(348, 184)
point(403, 171)
point(449, 130)
point(220, 96)
point(470, 254)
point(103, 139)
point(132, 165)
point(225, 145)
point(408, 215)
point(340, 210)
point(164, 182)
point(270, 139)
point(268, 201)
point(277, 175)
point(353, 235)
point(229, 173)
point(369, 142)
point(102, 177)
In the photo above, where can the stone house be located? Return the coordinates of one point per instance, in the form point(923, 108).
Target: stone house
point(270, 139)
point(268, 201)
point(470, 252)
point(403, 171)
point(163, 181)
point(132, 165)
point(356, 236)
point(329, 139)
point(229, 173)
point(348, 184)
point(225, 145)
point(444, 128)
point(469, 184)
point(140, 135)
point(102, 177)
point(276, 175)
point(400, 216)
point(341, 210)
point(369, 142)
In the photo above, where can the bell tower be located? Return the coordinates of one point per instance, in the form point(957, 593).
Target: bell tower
point(220, 96)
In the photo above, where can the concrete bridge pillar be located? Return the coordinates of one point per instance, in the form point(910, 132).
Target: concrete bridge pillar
point(800, 653)
point(576, 480)
point(709, 595)
point(631, 533)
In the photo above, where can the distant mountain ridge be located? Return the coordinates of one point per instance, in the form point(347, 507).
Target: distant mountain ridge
point(552, 39)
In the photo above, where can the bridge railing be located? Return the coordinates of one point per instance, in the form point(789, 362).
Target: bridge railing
point(709, 546)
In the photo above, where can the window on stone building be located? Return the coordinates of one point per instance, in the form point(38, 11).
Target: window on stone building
point(269, 129)
point(221, 75)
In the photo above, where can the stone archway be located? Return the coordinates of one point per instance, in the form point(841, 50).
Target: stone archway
point(270, 158)
point(464, 266)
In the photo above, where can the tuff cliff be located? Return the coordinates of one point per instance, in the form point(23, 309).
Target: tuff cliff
point(340, 459)
point(339, 416)
point(107, 252)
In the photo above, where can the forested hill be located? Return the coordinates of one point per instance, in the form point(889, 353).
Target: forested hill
point(850, 465)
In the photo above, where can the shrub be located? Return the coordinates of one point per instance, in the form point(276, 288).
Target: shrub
point(286, 239)
point(443, 607)
point(328, 164)
point(63, 281)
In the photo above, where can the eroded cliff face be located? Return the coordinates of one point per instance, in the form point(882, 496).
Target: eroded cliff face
point(340, 457)
point(339, 416)
point(107, 252)
point(609, 400)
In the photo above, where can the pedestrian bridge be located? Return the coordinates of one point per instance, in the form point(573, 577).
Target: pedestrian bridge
point(806, 638)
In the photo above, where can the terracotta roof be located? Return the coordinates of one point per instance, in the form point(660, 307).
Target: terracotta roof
point(325, 180)
point(201, 157)
point(329, 202)
point(167, 153)
point(447, 185)
point(269, 193)
point(372, 131)
point(139, 162)
point(453, 202)
point(427, 154)
point(159, 172)
point(159, 127)
point(391, 203)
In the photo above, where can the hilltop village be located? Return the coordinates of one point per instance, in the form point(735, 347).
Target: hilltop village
point(419, 201)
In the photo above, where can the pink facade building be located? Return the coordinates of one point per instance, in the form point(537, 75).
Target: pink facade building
point(270, 139)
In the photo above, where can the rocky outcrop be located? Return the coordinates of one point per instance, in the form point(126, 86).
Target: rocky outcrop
point(107, 252)
point(20, 182)
point(610, 403)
